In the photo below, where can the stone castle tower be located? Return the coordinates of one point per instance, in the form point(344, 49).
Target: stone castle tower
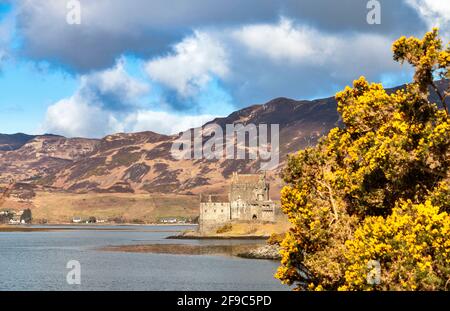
point(248, 200)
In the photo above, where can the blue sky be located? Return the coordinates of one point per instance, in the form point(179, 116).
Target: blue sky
point(5, 8)
point(26, 94)
point(146, 65)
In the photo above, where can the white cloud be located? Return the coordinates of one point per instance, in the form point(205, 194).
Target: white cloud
point(291, 59)
point(255, 62)
point(305, 46)
point(361, 54)
point(73, 117)
point(146, 28)
point(105, 103)
point(286, 41)
point(191, 66)
point(116, 80)
point(435, 13)
point(164, 122)
point(94, 110)
point(113, 88)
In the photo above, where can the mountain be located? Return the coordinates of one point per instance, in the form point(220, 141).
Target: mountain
point(142, 162)
point(34, 158)
point(14, 141)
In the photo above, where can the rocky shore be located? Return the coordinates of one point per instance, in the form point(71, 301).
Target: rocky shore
point(184, 249)
point(216, 237)
point(250, 251)
point(271, 252)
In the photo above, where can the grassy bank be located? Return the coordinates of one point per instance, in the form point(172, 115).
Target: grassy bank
point(257, 250)
point(6, 228)
point(242, 229)
point(194, 236)
point(62, 207)
point(183, 249)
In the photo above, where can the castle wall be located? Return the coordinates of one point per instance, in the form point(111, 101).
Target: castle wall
point(248, 200)
point(268, 212)
point(259, 211)
point(213, 215)
point(249, 191)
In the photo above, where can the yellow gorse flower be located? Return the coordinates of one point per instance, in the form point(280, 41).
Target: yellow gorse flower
point(376, 189)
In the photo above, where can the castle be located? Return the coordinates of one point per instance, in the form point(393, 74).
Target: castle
point(248, 200)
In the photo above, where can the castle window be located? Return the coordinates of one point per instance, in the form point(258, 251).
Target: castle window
point(214, 211)
point(254, 217)
point(222, 211)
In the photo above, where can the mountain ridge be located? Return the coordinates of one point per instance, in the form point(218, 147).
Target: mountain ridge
point(142, 162)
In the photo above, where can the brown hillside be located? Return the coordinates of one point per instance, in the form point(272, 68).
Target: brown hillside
point(142, 162)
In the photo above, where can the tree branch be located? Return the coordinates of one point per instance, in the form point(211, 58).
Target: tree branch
point(441, 97)
point(331, 197)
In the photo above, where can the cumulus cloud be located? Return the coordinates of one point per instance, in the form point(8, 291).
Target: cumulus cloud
point(264, 49)
point(113, 88)
point(434, 13)
point(291, 59)
point(286, 42)
point(302, 45)
point(96, 107)
point(110, 28)
point(164, 122)
point(108, 102)
point(190, 67)
point(253, 63)
point(74, 117)
point(257, 62)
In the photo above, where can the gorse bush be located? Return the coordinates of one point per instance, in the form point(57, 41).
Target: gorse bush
point(412, 244)
point(377, 188)
point(275, 239)
point(225, 228)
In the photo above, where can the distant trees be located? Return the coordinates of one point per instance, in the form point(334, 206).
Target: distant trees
point(26, 216)
point(5, 217)
point(369, 205)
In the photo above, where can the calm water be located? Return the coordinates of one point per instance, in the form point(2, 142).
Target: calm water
point(37, 261)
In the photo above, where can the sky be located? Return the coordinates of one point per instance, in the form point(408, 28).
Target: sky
point(166, 66)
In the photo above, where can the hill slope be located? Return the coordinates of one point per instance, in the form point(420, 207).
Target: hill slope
point(14, 141)
point(142, 162)
point(42, 156)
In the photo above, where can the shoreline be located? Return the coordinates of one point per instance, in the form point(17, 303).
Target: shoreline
point(217, 237)
point(255, 248)
point(246, 251)
point(106, 224)
point(71, 226)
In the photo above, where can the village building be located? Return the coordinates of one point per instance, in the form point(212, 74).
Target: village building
point(248, 199)
point(168, 220)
